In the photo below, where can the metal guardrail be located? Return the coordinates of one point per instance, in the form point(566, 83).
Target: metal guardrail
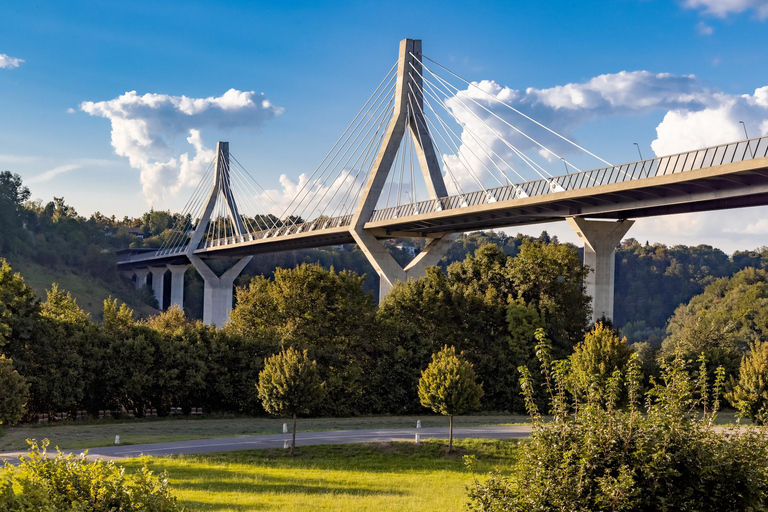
point(661, 166)
point(293, 229)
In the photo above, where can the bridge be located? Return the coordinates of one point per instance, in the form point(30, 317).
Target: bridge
point(386, 178)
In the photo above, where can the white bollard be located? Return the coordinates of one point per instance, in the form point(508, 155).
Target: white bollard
point(285, 428)
point(286, 444)
point(117, 439)
point(418, 440)
point(418, 423)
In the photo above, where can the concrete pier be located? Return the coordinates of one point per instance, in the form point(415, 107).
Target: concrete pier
point(600, 239)
point(158, 284)
point(177, 284)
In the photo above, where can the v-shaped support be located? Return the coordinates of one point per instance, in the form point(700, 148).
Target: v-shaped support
point(221, 189)
point(407, 115)
point(217, 292)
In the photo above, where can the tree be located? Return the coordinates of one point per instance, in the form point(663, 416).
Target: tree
point(722, 321)
point(449, 386)
point(19, 309)
point(749, 394)
point(328, 313)
point(15, 391)
point(289, 385)
point(595, 359)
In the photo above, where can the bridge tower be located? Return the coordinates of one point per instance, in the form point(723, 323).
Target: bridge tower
point(218, 289)
point(407, 115)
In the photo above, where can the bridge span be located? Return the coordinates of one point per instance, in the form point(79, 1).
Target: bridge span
point(403, 124)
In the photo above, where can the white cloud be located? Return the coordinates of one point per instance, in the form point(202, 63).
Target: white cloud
point(7, 62)
point(685, 129)
point(145, 129)
point(696, 116)
point(704, 29)
point(310, 199)
point(723, 8)
point(62, 169)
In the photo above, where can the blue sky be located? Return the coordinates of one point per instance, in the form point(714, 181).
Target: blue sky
point(317, 62)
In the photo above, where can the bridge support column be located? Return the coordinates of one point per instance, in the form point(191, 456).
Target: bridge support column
point(218, 291)
point(158, 284)
point(600, 239)
point(177, 284)
point(389, 270)
point(141, 277)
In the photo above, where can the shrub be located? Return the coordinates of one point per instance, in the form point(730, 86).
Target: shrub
point(595, 456)
point(750, 392)
point(69, 482)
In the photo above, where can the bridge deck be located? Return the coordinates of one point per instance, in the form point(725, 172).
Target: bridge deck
point(727, 176)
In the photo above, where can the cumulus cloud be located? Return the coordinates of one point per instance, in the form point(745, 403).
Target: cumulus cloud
point(309, 199)
point(146, 129)
point(723, 8)
point(7, 62)
point(696, 116)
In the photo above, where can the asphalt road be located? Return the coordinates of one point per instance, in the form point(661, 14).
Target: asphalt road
point(229, 444)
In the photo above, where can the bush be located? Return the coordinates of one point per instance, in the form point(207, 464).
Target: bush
point(72, 483)
point(14, 395)
point(750, 392)
point(595, 456)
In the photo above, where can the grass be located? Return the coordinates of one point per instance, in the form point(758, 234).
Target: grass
point(381, 477)
point(90, 434)
point(89, 292)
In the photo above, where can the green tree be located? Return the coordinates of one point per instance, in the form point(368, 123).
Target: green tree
point(721, 321)
point(289, 385)
point(749, 394)
point(15, 392)
point(594, 360)
point(449, 386)
point(328, 313)
point(19, 310)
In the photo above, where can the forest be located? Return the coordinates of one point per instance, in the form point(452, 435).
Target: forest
point(487, 299)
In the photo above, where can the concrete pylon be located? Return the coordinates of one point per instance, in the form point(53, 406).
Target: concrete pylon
point(141, 277)
point(218, 293)
point(600, 239)
point(177, 284)
point(158, 284)
point(407, 114)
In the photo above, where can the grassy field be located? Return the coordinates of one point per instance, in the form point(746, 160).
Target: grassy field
point(90, 293)
point(84, 434)
point(389, 477)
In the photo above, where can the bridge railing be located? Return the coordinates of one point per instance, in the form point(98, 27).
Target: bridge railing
point(291, 229)
point(661, 166)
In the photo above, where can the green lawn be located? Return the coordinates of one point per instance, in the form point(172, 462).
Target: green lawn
point(380, 477)
point(85, 434)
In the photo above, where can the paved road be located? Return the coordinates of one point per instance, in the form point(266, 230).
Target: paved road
point(228, 444)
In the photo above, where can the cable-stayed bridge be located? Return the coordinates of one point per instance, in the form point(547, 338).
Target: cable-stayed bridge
point(425, 158)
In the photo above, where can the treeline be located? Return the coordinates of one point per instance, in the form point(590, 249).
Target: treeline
point(369, 357)
point(651, 280)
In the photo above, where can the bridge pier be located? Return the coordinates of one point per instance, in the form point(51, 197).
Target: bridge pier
point(158, 284)
point(218, 293)
point(600, 239)
point(177, 284)
point(141, 277)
